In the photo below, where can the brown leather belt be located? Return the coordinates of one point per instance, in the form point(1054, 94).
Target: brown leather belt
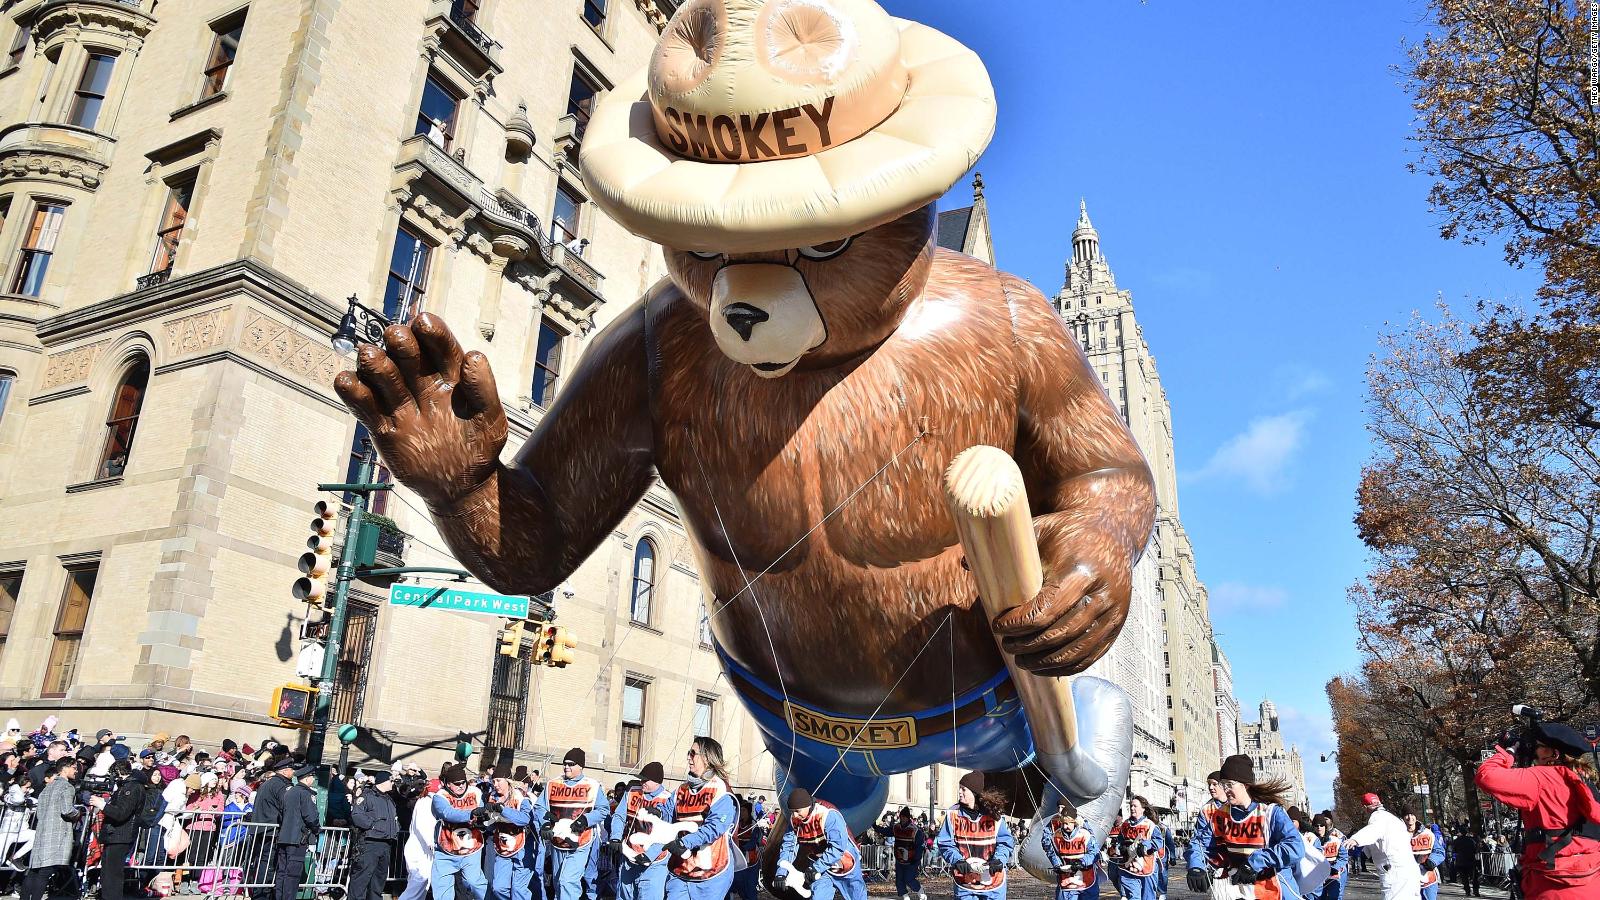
point(942, 723)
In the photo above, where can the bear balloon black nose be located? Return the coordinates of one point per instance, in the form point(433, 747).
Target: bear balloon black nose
point(743, 318)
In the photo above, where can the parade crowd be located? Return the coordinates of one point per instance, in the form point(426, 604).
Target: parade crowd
point(81, 815)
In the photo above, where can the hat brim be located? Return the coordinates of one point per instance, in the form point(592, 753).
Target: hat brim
point(909, 160)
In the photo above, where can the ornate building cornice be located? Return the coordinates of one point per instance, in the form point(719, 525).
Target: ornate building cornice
point(117, 17)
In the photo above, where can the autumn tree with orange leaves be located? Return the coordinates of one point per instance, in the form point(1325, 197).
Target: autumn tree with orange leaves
point(1506, 129)
point(1484, 529)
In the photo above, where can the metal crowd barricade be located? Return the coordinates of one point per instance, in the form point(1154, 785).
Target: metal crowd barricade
point(233, 856)
point(877, 860)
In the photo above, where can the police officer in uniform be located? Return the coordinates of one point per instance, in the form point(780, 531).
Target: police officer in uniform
point(378, 826)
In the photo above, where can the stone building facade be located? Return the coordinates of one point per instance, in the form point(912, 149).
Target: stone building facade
point(1227, 704)
point(188, 193)
point(1263, 742)
point(1163, 656)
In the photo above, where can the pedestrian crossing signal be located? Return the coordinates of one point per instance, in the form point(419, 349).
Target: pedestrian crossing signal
point(295, 705)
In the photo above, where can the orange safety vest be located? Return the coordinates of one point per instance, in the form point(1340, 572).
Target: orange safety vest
point(692, 805)
point(460, 840)
point(1141, 864)
point(1240, 838)
point(905, 838)
point(811, 833)
point(1071, 846)
point(1422, 848)
point(637, 802)
point(573, 801)
point(1330, 852)
point(975, 839)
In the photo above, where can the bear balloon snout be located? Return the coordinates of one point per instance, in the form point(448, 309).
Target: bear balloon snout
point(743, 318)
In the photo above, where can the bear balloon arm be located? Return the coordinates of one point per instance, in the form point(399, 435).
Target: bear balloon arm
point(521, 527)
point(1089, 487)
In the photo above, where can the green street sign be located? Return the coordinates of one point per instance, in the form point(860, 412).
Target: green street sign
point(485, 603)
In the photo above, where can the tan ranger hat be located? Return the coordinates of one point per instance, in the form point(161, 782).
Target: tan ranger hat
point(773, 124)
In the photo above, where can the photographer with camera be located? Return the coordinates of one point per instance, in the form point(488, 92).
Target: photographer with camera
point(1547, 774)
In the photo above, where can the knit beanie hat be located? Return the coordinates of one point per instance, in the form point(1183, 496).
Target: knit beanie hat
point(799, 798)
point(1238, 768)
point(1214, 776)
point(973, 781)
point(576, 757)
point(653, 771)
point(453, 773)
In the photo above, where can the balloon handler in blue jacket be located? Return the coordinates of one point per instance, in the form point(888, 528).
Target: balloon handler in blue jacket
point(909, 842)
point(642, 872)
point(570, 811)
point(976, 841)
point(1073, 854)
point(819, 859)
point(511, 857)
point(1253, 843)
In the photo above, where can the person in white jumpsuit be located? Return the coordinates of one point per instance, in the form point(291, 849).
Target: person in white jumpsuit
point(419, 849)
point(1386, 841)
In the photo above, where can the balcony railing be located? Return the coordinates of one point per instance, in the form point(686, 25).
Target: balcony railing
point(579, 268)
point(465, 19)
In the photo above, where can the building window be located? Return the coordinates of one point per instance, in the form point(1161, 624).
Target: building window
point(91, 93)
point(224, 49)
point(580, 100)
point(508, 698)
point(379, 500)
point(7, 380)
point(124, 419)
point(408, 276)
point(546, 364)
point(704, 716)
point(62, 668)
point(350, 675)
point(173, 218)
point(564, 220)
point(465, 10)
point(644, 581)
point(19, 46)
point(436, 117)
point(594, 12)
point(10, 590)
point(38, 245)
point(633, 697)
point(705, 627)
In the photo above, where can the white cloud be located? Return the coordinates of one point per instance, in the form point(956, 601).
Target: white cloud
point(1233, 596)
point(1299, 382)
point(1260, 455)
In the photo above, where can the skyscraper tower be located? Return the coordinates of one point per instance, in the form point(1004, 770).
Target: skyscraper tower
point(1164, 654)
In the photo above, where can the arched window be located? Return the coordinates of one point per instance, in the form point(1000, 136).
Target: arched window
point(644, 581)
point(124, 419)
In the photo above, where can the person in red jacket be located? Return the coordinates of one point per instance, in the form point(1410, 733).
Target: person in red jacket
point(1560, 812)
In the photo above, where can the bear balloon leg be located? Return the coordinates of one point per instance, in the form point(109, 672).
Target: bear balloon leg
point(1094, 774)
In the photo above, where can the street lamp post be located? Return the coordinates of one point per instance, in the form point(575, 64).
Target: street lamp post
point(360, 325)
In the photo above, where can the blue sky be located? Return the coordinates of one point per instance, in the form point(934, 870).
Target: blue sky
point(1244, 163)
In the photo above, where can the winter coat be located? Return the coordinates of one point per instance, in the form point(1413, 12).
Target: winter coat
point(375, 817)
point(122, 813)
point(300, 821)
point(53, 829)
point(269, 801)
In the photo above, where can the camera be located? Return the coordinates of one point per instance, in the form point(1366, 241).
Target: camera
point(410, 785)
point(1519, 738)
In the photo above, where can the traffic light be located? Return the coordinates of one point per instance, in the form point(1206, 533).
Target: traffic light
point(511, 639)
point(312, 585)
point(554, 647)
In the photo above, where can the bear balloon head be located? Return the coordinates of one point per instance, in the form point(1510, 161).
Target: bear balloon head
point(810, 307)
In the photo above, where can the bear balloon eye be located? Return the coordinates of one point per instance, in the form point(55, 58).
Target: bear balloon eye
point(826, 251)
point(700, 254)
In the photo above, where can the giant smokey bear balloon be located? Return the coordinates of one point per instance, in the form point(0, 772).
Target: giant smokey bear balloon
point(800, 382)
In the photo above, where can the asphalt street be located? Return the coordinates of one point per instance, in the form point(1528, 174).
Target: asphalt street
point(1024, 887)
